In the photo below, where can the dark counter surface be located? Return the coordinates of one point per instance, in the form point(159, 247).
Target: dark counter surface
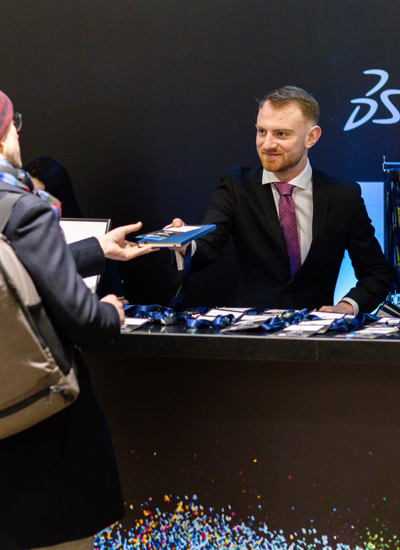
point(155, 340)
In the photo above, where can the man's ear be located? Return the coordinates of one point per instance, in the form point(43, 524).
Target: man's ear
point(3, 142)
point(313, 135)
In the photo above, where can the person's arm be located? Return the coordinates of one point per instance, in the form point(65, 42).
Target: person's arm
point(115, 246)
point(208, 249)
point(374, 274)
point(89, 257)
point(76, 313)
point(178, 254)
point(90, 254)
point(344, 306)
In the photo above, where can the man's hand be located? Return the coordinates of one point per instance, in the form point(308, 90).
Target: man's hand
point(116, 247)
point(117, 303)
point(177, 222)
point(342, 307)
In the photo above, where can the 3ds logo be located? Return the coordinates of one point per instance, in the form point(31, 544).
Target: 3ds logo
point(373, 104)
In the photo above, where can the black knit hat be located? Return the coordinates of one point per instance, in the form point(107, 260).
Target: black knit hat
point(6, 113)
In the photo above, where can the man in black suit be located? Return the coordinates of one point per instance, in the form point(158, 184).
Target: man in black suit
point(331, 218)
point(59, 481)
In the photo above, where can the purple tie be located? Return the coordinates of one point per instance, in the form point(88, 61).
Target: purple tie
point(288, 221)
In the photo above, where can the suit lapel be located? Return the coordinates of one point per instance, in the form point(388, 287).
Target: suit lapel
point(266, 199)
point(321, 198)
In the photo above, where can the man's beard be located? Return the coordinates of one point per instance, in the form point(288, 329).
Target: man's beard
point(288, 163)
point(14, 158)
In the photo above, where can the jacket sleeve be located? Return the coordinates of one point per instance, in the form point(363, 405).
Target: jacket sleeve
point(220, 213)
point(88, 256)
point(373, 272)
point(76, 313)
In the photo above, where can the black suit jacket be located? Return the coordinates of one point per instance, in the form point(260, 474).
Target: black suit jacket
point(244, 208)
point(59, 479)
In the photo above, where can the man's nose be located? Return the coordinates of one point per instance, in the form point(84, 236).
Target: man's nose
point(269, 141)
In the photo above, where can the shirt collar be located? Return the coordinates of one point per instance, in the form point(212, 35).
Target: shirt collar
point(4, 162)
point(302, 180)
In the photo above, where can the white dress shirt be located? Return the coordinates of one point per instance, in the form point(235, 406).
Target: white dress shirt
point(303, 200)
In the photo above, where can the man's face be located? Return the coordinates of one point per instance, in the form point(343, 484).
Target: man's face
point(11, 149)
point(283, 139)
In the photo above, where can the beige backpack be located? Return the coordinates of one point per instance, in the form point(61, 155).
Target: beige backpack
point(38, 375)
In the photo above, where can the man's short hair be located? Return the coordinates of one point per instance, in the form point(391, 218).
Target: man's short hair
point(291, 94)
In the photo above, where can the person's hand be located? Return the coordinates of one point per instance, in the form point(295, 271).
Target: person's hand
point(177, 222)
point(117, 303)
point(116, 247)
point(342, 307)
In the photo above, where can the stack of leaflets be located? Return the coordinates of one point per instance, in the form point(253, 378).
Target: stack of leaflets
point(385, 326)
point(132, 323)
point(211, 314)
point(309, 327)
point(252, 321)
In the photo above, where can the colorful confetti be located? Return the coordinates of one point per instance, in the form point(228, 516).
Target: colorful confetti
point(191, 526)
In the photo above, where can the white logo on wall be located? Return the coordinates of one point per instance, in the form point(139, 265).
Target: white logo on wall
point(373, 104)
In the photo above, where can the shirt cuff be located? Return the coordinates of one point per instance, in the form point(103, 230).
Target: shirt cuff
point(180, 259)
point(353, 303)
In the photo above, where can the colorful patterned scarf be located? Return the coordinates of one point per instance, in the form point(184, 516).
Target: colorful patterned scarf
point(28, 186)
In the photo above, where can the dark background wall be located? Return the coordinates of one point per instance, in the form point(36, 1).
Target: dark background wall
point(145, 102)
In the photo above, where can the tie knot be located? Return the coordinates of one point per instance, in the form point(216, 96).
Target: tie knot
point(284, 189)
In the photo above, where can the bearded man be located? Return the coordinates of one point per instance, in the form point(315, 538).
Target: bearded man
point(291, 224)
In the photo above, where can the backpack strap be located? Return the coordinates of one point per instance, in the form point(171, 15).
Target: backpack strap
point(6, 207)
